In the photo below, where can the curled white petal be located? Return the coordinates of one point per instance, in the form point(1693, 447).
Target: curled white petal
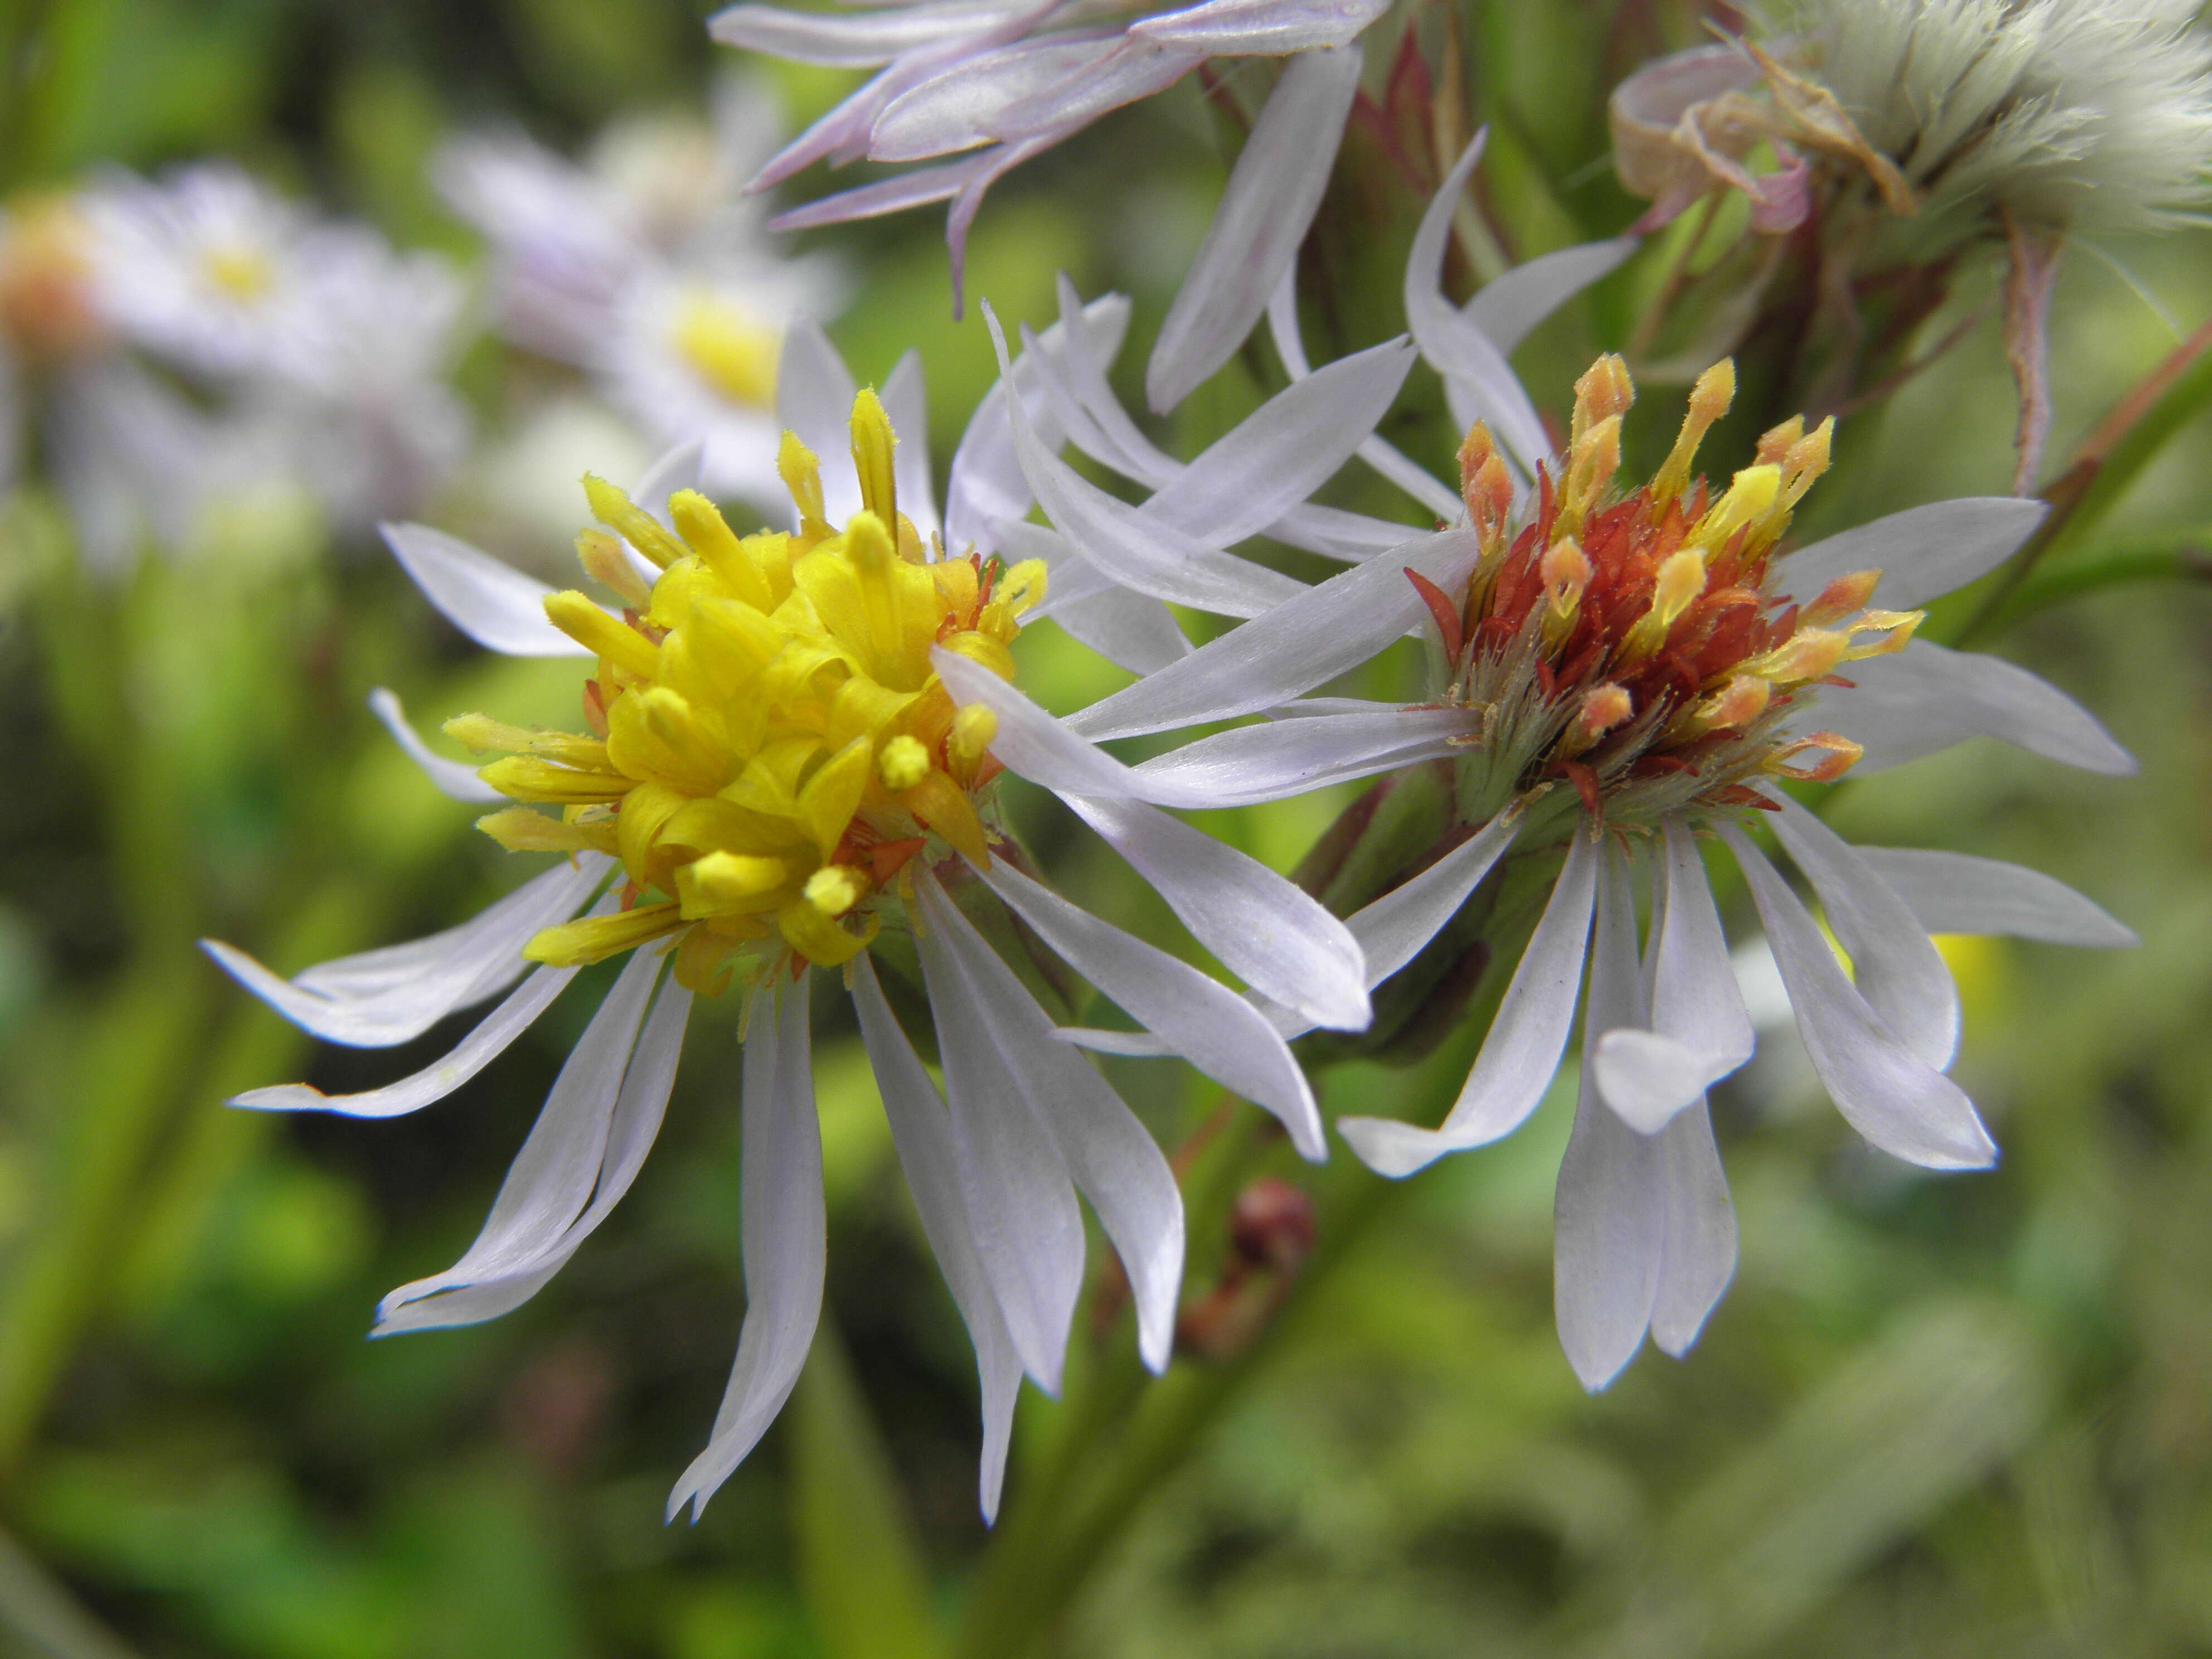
point(494, 605)
point(455, 778)
point(1958, 893)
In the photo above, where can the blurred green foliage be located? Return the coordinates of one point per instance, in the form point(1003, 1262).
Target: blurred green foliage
point(1934, 1415)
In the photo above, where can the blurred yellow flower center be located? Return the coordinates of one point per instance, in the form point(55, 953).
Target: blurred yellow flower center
point(769, 743)
point(728, 347)
point(241, 271)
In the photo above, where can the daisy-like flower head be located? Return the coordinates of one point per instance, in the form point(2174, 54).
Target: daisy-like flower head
point(1621, 667)
point(788, 749)
point(998, 81)
point(642, 265)
point(197, 268)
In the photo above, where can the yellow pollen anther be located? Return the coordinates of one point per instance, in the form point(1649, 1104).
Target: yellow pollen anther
point(873, 443)
point(1841, 753)
point(1895, 628)
point(834, 888)
point(1751, 497)
point(1734, 706)
point(605, 562)
point(1486, 488)
point(574, 614)
point(728, 347)
point(1777, 442)
point(973, 728)
point(1709, 400)
point(727, 884)
point(1604, 707)
point(802, 476)
point(1810, 653)
point(1681, 579)
point(1840, 597)
point(615, 509)
point(1592, 462)
point(1605, 391)
point(904, 764)
point(702, 527)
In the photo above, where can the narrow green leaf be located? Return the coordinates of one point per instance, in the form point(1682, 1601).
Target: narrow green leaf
point(859, 1568)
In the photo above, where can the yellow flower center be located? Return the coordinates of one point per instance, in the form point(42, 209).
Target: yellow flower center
point(728, 347)
point(241, 271)
point(769, 743)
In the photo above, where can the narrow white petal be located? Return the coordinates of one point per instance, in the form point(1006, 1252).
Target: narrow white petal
point(1259, 925)
point(480, 957)
point(955, 109)
point(1272, 191)
point(1231, 28)
point(1889, 1094)
point(455, 778)
point(921, 1130)
point(814, 393)
point(1507, 306)
point(906, 403)
point(1136, 69)
point(1193, 1015)
point(1303, 642)
point(1481, 382)
point(494, 605)
point(1895, 965)
point(1922, 553)
point(783, 1232)
point(1393, 929)
point(1699, 1230)
point(485, 1043)
point(987, 483)
point(917, 188)
point(553, 1175)
point(1029, 740)
point(1133, 631)
point(847, 40)
point(638, 1109)
point(677, 470)
point(1104, 1148)
point(1699, 1030)
point(1926, 698)
point(1287, 448)
point(1958, 893)
point(1280, 759)
point(1609, 1215)
point(1020, 1205)
point(1521, 1052)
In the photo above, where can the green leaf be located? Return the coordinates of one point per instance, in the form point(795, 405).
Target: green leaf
point(859, 1568)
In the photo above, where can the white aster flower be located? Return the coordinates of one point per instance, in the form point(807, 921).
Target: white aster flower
point(788, 764)
point(1007, 80)
point(643, 265)
point(1624, 667)
point(198, 267)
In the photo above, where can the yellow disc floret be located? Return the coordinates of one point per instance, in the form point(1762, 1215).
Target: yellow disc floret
point(769, 741)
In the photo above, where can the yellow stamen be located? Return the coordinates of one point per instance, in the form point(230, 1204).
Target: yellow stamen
point(1681, 578)
point(1840, 751)
point(615, 509)
point(1709, 400)
point(904, 764)
point(873, 443)
point(605, 562)
point(802, 476)
point(834, 888)
point(594, 938)
point(1840, 597)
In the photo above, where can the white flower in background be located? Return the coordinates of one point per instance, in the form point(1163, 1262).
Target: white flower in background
point(1624, 667)
point(787, 761)
point(364, 347)
point(645, 266)
point(198, 267)
point(999, 81)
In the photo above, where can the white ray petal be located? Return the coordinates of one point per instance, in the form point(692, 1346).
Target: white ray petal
point(847, 40)
point(916, 188)
point(677, 470)
point(1699, 1228)
point(1889, 1094)
point(1926, 698)
point(552, 1177)
point(1393, 929)
point(1287, 448)
point(1276, 759)
point(1700, 1031)
point(1482, 383)
point(1193, 1015)
point(1894, 964)
point(450, 777)
point(1133, 631)
point(1922, 553)
point(1521, 1052)
point(987, 482)
point(1303, 642)
point(1258, 924)
point(1508, 306)
point(1958, 893)
point(638, 1109)
point(954, 109)
point(783, 1231)
point(494, 604)
point(1229, 28)
point(1020, 1205)
point(475, 959)
point(921, 1130)
point(1104, 1148)
point(1271, 195)
point(1608, 1214)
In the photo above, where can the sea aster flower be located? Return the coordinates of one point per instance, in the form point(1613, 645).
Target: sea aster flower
point(643, 266)
point(1622, 666)
point(1007, 80)
point(783, 770)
